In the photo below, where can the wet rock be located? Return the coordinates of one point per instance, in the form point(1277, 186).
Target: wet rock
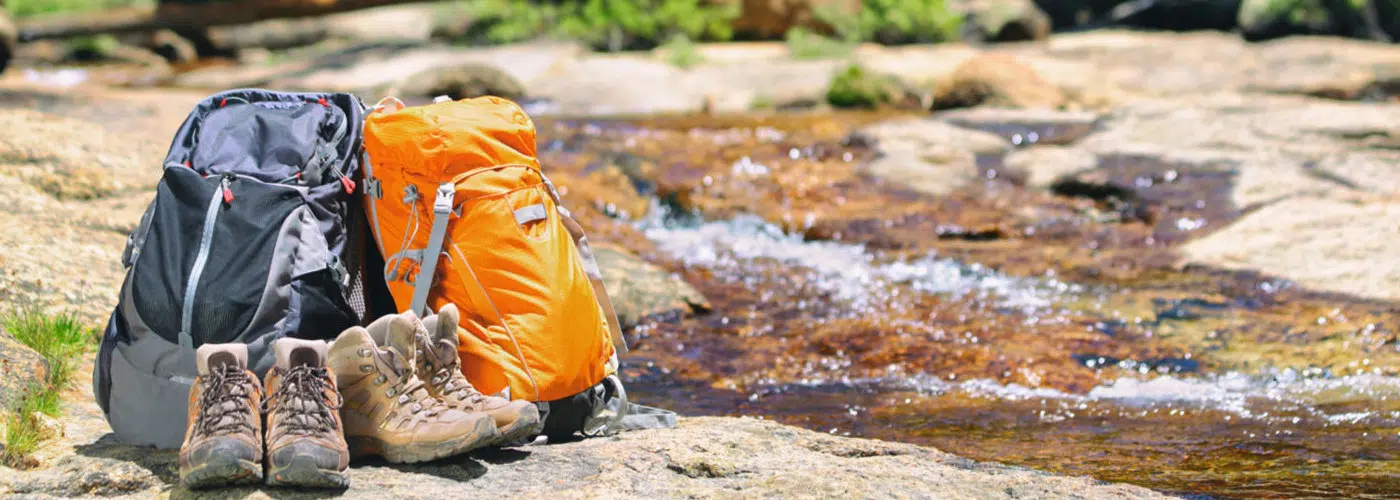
point(1042, 166)
point(771, 19)
point(1323, 244)
point(639, 289)
point(8, 40)
point(173, 47)
point(1026, 126)
point(461, 82)
point(109, 49)
point(1261, 19)
point(927, 155)
point(996, 80)
point(1005, 20)
point(857, 87)
point(20, 369)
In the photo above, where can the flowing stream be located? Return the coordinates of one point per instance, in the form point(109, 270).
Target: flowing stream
point(875, 319)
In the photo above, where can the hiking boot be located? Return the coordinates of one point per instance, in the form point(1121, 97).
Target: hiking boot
point(388, 411)
point(305, 444)
point(223, 443)
point(439, 364)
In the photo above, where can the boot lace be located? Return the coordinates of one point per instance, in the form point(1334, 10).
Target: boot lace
point(302, 395)
point(223, 405)
point(410, 390)
point(447, 373)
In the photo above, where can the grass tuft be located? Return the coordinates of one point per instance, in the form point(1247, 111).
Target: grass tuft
point(62, 340)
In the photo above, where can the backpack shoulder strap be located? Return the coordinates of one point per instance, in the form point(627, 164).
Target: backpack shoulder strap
point(590, 267)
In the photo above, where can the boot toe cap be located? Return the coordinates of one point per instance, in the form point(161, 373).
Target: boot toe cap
point(326, 457)
point(223, 448)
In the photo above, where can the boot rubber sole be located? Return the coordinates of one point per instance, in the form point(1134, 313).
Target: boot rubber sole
point(482, 434)
point(519, 429)
point(303, 472)
point(222, 471)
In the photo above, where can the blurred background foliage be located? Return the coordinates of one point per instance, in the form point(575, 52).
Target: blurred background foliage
point(829, 28)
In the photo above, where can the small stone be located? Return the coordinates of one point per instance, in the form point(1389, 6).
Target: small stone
point(996, 80)
point(47, 426)
point(20, 369)
point(462, 82)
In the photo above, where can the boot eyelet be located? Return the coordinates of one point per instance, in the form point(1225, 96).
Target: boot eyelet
point(390, 393)
point(417, 407)
point(364, 353)
point(366, 368)
point(380, 379)
point(404, 399)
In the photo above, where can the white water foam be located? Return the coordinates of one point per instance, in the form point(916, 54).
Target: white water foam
point(853, 275)
point(1249, 397)
point(848, 272)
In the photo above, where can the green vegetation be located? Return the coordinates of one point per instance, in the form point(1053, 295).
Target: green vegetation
point(804, 44)
point(28, 8)
point(896, 21)
point(615, 25)
point(681, 52)
point(856, 87)
point(61, 340)
point(611, 25)
point(93, 47)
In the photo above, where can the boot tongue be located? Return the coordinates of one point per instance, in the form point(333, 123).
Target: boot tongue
point(215, 357)
point(442, 331)
point(292, 352)
point(443, 325)
point(403, 337)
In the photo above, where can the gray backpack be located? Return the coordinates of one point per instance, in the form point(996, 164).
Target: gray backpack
point(254, 234)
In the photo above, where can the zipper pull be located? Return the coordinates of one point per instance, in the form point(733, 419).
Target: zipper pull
point(344, 180)
point(228, 192)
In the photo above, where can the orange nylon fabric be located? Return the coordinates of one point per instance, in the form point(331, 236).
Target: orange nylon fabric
point(530, 319)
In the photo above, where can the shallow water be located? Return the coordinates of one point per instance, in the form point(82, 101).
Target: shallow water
point(998, 323)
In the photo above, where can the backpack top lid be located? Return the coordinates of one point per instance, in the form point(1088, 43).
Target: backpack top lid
point(270, 135)
point(451, 137)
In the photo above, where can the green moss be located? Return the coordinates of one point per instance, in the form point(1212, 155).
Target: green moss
point(856, 87)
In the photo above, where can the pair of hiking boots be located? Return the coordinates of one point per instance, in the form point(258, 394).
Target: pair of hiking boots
point(362, 394)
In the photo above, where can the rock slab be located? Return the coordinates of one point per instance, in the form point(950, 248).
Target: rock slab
point(706, 457)
point(20, 369)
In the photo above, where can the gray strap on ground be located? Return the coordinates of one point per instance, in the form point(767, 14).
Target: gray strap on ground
point(640, 417)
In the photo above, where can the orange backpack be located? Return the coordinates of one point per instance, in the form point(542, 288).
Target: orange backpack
point(459, 180)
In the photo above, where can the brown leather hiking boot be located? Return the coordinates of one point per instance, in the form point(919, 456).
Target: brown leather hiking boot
point(441, 367)
point(387, 411)
point(223, 443)
point(305, 444)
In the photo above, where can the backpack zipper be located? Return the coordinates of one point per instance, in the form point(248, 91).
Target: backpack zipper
point(225, 195)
